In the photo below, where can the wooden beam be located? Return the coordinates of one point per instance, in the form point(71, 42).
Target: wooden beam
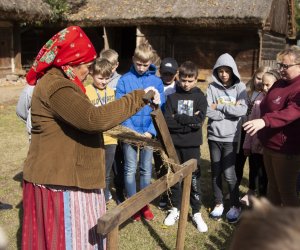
point(116, 216)
point(165, 137)
point(185, 203)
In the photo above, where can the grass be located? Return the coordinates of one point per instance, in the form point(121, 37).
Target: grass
point(141, 235)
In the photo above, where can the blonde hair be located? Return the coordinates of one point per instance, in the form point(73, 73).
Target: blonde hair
point(144, 52)
point(102, 67)
point(267, 227)
point(111, 55)
point(291, 51)
point(250, 84)
point(274, 73)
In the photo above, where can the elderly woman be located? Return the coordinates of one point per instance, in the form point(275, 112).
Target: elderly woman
point(63, 176)
point(278, 130)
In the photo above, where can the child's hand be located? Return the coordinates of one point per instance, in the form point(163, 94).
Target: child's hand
point(238, 103)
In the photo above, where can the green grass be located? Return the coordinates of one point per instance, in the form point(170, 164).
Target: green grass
point(141, 235)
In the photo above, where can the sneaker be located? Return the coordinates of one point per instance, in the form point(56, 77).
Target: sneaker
point(163, 202)
point(233, 214)
point(216, 214)
point(136, 216)
point(199, 223)
point(147, 213)
point(172, 217)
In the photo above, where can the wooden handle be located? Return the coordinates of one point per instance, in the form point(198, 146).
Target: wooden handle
point(148, 96)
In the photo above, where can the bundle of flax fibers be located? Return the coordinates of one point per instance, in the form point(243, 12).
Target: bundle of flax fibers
point(131, 137)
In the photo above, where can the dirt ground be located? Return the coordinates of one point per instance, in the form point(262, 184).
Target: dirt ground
point(10, 92)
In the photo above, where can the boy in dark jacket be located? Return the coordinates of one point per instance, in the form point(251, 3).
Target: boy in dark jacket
point(185, 113)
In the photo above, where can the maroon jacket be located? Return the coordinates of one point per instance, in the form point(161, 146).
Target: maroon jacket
point(280, 110)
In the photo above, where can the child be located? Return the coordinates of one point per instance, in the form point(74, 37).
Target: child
point(113, 57)
point(23, 108)
point(252, 146)
point(185, 114)
point(226, 97)
point(100, 94)
point(168, 73)
point(141, 76)
point(254, 91)
point(118, 166)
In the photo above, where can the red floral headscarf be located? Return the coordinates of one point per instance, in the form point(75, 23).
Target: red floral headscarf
point(69, 47)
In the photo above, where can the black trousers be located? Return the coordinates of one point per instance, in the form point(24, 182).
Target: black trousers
point(185, 154)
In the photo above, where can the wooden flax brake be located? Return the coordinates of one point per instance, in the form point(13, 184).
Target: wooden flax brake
point(109, 223)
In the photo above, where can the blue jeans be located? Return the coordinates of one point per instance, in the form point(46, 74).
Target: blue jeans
point(222, 156)
point(130, 165)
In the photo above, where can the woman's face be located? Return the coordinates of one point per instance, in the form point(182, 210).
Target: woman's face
point(82, 71)
point(288, 68)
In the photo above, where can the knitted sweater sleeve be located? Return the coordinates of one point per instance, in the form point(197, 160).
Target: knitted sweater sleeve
point(74, 108)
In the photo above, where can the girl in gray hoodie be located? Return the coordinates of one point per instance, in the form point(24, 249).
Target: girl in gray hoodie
point(226, 98)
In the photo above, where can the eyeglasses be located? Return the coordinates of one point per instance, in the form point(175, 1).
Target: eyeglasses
point(286, 66)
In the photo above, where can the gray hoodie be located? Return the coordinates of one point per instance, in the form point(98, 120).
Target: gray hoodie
point(224, 123)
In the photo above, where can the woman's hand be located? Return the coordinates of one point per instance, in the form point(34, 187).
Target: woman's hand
point(251, 127)
point(148, 135)
point(156, 97)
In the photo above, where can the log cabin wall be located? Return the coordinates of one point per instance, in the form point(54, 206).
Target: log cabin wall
point(204, 46)
point(6, 48)
point(271, 45)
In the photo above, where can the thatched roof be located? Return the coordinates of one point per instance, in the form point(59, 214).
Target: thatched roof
point(155, 12)
point(24, 10)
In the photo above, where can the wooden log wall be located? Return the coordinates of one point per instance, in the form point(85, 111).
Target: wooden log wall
point(204, 46)
point(271, 45)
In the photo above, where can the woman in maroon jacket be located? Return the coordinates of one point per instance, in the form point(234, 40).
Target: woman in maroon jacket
point(279, 130)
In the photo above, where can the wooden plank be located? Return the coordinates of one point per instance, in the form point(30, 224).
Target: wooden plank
point(113, 239)
point(185, 202)
point(164, 135)
point(116, 216)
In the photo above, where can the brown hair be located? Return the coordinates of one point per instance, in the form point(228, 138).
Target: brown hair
point(188, 69)
point(268, 227)
point(102, 67)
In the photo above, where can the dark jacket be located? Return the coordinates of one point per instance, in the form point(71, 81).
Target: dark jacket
point(280, 109)
point(67, 143)
point(185, 127)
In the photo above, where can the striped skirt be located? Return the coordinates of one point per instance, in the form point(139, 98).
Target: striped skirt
point(61, 219)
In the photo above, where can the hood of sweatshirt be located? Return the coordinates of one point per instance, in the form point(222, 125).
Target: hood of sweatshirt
point(226, 60)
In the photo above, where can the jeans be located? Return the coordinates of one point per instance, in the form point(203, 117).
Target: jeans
point(223, 156)
point(282, 171)
point(109, 160)
point(130, 166)
point(185, 154)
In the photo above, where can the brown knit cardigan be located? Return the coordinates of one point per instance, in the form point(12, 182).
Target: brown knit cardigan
point(67, 143)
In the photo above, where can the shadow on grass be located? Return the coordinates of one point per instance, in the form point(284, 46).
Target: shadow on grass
point(221, 238)
point(155, 235)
